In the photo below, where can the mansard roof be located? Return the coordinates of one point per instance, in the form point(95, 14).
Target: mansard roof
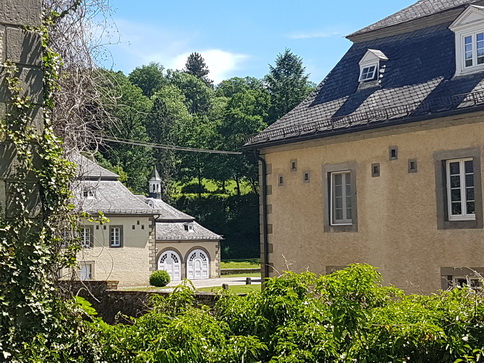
point(416, 82)
point(420, 9)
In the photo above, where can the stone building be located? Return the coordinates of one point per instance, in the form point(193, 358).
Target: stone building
point(382, 163)
point(141, 236)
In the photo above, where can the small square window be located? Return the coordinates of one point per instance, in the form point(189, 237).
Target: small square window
point(142, 226)
point(88, 193)
point(307, 177)
point(280, 180)
point(133, 226)
point(294, 165)
point(375, 169)
point(393, 153)
point(412, 166)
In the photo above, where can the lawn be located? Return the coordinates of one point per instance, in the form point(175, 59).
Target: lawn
point(248, 263)
point(252, 274)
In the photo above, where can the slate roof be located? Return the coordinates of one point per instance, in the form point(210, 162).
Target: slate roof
point(417, 82)
point(90, 170)
point(170, 224)
point(177, 232)
point(418, 10)
point(110, 197)
point(168, 213)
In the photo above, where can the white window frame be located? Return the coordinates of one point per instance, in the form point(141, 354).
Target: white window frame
point(364, 67)
point(464, 216)
point(474, 282)
point(469, 23)
point(345, 221)
point(116, 236)
point(89, 267)
point(89, 193)
point(87, 238)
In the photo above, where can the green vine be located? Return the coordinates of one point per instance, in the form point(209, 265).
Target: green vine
point(34, 321)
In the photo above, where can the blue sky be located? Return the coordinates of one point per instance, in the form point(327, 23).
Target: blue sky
point(239, 38)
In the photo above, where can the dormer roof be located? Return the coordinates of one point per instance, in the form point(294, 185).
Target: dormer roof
point(372, 56)
point(471, 16)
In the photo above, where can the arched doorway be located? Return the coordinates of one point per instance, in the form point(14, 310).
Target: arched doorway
point(170, 262)
point(198, 265)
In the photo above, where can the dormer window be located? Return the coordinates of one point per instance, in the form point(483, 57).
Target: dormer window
point(88, 193)
point(368, 73)
point(370, 65)
point(469, 40)
point(188, 227)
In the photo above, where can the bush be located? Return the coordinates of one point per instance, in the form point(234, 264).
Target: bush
point(159, 278)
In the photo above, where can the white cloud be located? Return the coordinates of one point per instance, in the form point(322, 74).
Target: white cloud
point(220, 63)
point(314, 34)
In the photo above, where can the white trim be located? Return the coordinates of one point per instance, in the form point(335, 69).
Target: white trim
point(463, 216)
point(345, 221)
point(469, 23)
point(170, 262)
point(198, 265)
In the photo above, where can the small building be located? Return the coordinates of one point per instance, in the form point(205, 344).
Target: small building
point(141, 235)
point(382, 163)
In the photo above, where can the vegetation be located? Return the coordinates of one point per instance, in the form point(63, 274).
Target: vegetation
point(347, 316)
point(248, 263)
point(159, 278)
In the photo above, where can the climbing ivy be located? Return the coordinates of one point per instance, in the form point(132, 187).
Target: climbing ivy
point(34, 321)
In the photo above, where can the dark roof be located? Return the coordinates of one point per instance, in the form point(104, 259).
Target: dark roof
point(166, 212)
point(418, 10)
point(416, 82)
point(178, 232)
point(90, 170)
point(110, 197)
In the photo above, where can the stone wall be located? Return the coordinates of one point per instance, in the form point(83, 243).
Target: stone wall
point(24, 50)
point(111, 304)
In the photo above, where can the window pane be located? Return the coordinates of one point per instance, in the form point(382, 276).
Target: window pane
point(471, 208)
point(470, 194)
point(455, 195)
point(455, 181)
point(454, 168)
point(469, 166)
point(338, 214)
point(480, 36)
point(469, 180)
point(456, 208)
point(338, 202)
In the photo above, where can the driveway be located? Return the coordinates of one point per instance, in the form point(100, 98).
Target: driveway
point(219, 281)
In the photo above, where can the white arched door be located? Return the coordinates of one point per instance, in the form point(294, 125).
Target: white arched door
point(198, 265)
point(170, 262)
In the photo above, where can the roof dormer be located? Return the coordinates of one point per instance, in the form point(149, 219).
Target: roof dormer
point(469, 40)
point(370, 65)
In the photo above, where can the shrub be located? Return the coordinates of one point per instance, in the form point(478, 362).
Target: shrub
point(159, 278)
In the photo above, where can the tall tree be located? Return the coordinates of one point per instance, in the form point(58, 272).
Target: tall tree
point(130, 112)
point(198, 96)
point(195, 65)
point(287, 83)
point(149, 78)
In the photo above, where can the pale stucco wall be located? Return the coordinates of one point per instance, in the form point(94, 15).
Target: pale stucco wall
point(397, 229)
point(129, 264)
point(184, 248)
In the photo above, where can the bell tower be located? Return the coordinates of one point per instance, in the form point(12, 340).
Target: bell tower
point(155, 185)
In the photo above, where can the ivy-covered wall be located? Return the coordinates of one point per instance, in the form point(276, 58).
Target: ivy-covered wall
point(22, 51)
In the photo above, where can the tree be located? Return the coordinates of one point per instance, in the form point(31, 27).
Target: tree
point(130, 112)
point(195, 65)
point(149, 78)
point(163, 124)
point(198, 96)
point(287, 83)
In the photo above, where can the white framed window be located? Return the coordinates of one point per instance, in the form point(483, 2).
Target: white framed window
point(116, 236)
point(341, 198)
point(87, 240)
point(469, 40)
point(368, 73)
point(461, 203)
point(86, 272)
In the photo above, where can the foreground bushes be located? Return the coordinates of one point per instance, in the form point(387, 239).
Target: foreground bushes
point(344, 317)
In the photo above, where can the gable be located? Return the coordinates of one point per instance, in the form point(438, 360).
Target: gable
point(472, 16)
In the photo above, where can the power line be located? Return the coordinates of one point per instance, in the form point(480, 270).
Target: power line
point(168, 147)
